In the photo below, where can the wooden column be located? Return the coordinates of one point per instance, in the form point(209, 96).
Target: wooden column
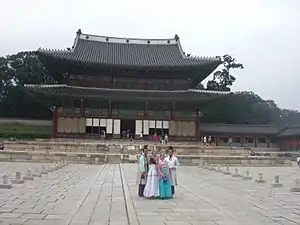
point(81, 108)
point(255, 141)
point(198, 138)
point(146, 110)
point(173, 111)
point(109, 109)
point(54, 121)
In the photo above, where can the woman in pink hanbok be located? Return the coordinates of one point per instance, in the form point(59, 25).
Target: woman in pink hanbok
point(160, 160)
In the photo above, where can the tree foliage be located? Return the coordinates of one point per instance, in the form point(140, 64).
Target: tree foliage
point(15, 71)
point(222, 79)
point(238, 108)
point(241, 108)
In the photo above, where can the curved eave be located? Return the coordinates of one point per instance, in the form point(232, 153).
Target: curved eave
point(290, 132)
point(58, 91)
point(41, 98)
point(197, 67)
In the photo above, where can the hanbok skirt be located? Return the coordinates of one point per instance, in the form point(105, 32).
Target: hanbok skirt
point(152, 185)
point(165, 190)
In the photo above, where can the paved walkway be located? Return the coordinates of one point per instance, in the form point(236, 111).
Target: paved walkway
point(106, 194)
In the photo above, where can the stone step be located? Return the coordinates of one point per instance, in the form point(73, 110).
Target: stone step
point(92, 158)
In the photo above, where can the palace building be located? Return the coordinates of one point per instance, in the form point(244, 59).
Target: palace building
point(120, 84)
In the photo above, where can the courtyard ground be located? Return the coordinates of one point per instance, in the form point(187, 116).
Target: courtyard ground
point(106, 194)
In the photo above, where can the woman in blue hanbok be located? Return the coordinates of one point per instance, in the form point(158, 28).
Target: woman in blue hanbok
point(165, 190)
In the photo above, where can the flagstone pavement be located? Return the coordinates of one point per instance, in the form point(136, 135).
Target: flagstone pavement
point(106, 194)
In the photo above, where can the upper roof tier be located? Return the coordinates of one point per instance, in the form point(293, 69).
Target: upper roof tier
point(130, 52)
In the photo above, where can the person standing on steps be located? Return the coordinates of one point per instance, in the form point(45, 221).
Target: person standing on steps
point(143, 167)
point(173, 164)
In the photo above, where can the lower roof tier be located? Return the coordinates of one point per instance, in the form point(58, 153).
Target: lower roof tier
point(63, 90)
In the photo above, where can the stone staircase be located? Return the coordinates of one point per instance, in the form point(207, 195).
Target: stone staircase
point(125, 152)
point(120, 147)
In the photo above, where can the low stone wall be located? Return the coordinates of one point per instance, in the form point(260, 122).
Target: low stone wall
point(98, 158)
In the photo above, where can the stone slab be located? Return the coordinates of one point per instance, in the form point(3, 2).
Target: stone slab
point(76, 195)
point(276, 185)
point(5, 186)
point(28, 178)
point(17, 181)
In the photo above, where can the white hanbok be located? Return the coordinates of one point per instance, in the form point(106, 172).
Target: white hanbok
point(173, 164)
point(152, 185)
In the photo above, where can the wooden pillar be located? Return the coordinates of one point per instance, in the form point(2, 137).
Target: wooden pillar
point(255, 141)
point(54, 121)
point(81, 108)
point(173, 111)
point(146, 110)
point(243, 141)
point(109, 109)
point(198, 138)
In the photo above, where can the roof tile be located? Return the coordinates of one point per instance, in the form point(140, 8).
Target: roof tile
point(211, 128)
point(158, 53)
point(129, 94)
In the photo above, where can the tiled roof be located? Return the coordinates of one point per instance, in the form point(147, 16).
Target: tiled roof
point(190, 95)
point(290, 132)
point(210, 128)
point(129, 52)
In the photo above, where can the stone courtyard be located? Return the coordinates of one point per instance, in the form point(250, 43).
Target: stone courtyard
point(106, 194)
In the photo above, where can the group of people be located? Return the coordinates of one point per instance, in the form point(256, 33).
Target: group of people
point(157, 176)
point(163, 138)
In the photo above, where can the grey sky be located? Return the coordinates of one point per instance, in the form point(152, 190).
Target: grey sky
point(262, 34)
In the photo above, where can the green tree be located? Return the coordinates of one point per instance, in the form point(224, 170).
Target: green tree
point(15, 71)
point(241, 108)
point(289, 117)
point(200, 86)
point(222, 79)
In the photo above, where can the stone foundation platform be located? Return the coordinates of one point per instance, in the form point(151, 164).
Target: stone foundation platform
point(124, 147)
point(110, 158)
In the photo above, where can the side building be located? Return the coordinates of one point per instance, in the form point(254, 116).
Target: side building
point(289, 138)
point(253, 136)
point(125, 84)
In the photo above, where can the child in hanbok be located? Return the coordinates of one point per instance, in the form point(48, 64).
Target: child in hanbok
point(160, 160)
point(165, 190)
point(152, 187)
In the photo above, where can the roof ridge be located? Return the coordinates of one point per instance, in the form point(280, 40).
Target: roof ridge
point(79, 32)
point(189, 56)
point(124, 40)
point(130, 38)
point(45, 85)
point(55, 50)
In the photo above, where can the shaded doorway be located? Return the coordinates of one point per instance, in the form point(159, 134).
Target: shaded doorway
point(127, 128)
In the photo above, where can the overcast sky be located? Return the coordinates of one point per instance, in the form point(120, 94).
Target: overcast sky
point(264, 35)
